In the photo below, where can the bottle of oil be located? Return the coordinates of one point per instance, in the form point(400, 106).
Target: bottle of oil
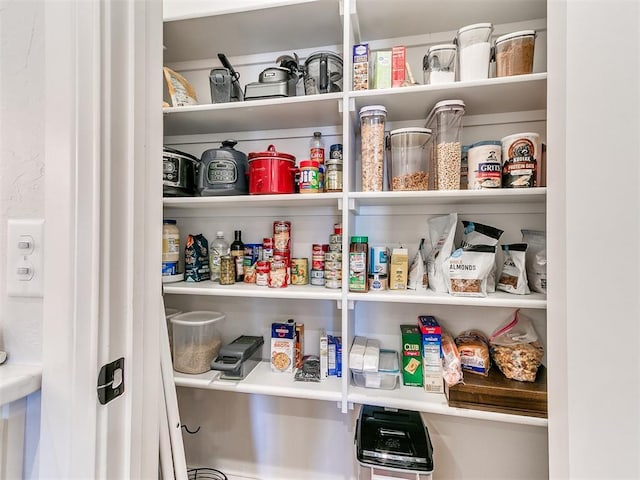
point(237, 252)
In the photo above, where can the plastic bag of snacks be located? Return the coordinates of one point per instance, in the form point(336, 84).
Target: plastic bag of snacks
point(467, 270)
point(536, 259)
point(196, 259)
point(515, 349)
point(442, 230)
point(513, 278)
point(451, 365)
point(479, 234)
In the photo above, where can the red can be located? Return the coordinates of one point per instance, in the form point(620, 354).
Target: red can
point(267, 248)
point(262, 273)
point(278, 275)
point(281, 235)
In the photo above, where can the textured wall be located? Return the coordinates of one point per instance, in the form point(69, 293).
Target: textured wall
point(22, 183)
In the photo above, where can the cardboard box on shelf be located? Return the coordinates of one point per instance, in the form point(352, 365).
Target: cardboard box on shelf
point(431, 353)
point(361, 66)
point(398, 70)
point(382, 69)
point(411, 355)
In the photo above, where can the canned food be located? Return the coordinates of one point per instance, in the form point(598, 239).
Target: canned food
point(337, 228)
point(333, 274)
point(333, 257)
point(278, 276)
point(281, 235)
point(332, 266)
point(317, 277)
point(262, 272)
point(299, 269)
point(333, 283)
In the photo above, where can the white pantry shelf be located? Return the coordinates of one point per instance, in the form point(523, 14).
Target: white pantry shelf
point(296, 292)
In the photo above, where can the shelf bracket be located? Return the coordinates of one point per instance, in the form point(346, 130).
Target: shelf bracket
point(340, 204)
point(350, 304)
point(353, 206)
point(339, 304)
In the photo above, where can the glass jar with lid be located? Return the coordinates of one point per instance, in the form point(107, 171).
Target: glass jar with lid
point(445, 120)
point(372, 121)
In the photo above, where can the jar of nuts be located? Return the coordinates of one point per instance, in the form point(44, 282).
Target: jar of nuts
point(372, 120)
point(410, 156)
point(445, 120)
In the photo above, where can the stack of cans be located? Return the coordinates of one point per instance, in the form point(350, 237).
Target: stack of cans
point(333, 259)
point(318, 252)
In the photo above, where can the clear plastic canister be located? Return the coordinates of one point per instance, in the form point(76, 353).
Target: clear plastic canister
point(445, 120)
point(410, 158)
point(372, 121)
point(474, 51)
point(514, 53)
point(439, 64)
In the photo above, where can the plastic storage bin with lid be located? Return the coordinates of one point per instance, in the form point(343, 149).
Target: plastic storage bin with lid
point(196, 340)
point(474, 51)
point(410, 158)
point(386, 378)
point(445, 120)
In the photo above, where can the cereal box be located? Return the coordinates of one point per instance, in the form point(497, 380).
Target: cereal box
point(282, 347)
point(361, 66)
point(398, 61)
point(431, 353)
point(382, 69)
point(411, 355)
point(324, 356)
point(334, 356)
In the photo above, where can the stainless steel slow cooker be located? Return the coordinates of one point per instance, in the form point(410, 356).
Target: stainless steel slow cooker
point(179, 173)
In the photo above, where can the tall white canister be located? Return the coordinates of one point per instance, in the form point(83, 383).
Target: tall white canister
point(474, 51)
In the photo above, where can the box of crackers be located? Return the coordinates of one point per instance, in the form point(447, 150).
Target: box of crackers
point(411, 355)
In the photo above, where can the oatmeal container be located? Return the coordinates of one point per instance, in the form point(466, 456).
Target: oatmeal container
point(372, 121)
point(520, 159)
point(445, 120)
point(485, 165)
point(410, 158)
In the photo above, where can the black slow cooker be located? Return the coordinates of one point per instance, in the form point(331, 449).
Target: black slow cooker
point(179, 173)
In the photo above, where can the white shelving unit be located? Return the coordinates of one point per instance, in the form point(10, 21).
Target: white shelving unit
point(494, 107)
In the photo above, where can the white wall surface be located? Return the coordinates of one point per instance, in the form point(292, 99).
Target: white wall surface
point(21, 181)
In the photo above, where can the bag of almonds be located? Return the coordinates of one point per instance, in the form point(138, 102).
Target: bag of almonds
point(515, 349)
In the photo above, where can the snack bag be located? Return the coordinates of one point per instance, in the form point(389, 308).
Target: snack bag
point(515, 349)
point(418, 270)
point(451, 364)
point(196, 259)
point(536, 259)
point(467, 269)
point(181, 91)
point(474, 233)
point(473, 348)
point(513, 278)
point(442, 230)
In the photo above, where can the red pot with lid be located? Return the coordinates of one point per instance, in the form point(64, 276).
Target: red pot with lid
point(271, 172)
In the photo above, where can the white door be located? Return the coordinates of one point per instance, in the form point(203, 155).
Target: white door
point(103, 228)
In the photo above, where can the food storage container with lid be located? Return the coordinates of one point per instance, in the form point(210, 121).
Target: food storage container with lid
point(271, 172)
point(223, 171)
point(474, 51)
point(322, 73)
point(372, 121)
point(386, 378)
point(445, 120)
point(484, 160)
point(439, 64)
point(514, 53)
point(196, 340)
point(410, 158)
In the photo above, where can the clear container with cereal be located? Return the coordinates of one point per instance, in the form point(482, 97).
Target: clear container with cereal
point(410, 158)
point(445, 120)
point(372, 121)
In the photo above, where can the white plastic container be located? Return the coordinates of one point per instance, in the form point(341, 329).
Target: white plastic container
point(196, 340)
point(474, 51)
point(521, 158)
point(386, 378)
point(484, 165)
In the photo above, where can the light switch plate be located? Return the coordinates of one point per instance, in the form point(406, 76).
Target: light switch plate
point(25, 257)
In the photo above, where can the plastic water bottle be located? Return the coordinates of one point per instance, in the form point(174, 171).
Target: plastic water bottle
point(218, 248)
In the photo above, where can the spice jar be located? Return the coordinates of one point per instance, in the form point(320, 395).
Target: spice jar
point(372, 120)
point(445, 120)
point(514, 53)
point(227, 270)
point(333, 177)
point(358, 262)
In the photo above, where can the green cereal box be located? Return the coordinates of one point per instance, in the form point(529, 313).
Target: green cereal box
point(411, 355)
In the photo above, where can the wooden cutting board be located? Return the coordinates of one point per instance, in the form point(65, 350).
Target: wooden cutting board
point(496, 393)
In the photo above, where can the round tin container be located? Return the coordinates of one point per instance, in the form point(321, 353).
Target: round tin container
point(299, 269)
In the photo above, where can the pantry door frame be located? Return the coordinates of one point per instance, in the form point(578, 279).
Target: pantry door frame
point(103, 212)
